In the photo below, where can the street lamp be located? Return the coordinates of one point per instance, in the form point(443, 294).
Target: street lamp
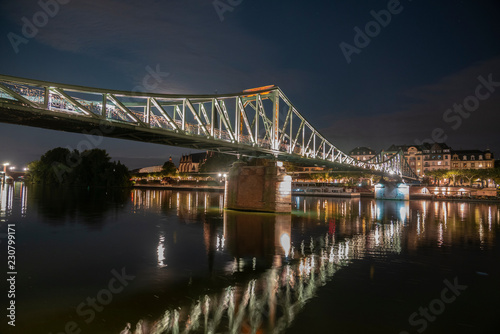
point(5, 164)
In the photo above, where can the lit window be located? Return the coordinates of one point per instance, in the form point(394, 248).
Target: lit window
point(465, 157)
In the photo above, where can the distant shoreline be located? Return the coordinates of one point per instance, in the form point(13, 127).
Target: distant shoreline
point(221, 189)
point(185, 187)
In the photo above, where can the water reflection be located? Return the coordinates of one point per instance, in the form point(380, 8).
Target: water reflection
point(255, 235)
point(200, 269)
point(7, 194)
point(89, 206)
point(269, 300)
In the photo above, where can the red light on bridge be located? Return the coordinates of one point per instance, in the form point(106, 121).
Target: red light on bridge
point(258, 89)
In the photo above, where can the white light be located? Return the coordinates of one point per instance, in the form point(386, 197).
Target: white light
point(279, 163)
point(285, 243)
point(220, 174)
point(224, 175)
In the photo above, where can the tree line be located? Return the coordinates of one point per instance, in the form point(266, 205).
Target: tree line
point(90, 168)
point(467, 176)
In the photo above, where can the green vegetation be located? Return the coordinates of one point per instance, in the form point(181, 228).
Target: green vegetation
point(61, 166)
point(465, 176)
point(168, 169)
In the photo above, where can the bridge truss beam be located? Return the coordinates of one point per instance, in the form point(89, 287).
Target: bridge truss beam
point(247, 123)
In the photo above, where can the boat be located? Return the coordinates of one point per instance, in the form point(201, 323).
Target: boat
point(322, 189)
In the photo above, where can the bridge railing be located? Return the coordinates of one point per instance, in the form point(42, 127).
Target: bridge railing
point(261, 120)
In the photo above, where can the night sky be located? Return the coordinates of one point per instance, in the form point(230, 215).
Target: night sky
point(393, 83)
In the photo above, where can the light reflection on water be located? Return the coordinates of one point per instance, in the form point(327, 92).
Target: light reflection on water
point(266, 267)
point(270, 301)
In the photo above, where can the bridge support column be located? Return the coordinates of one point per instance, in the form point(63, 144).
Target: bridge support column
point(392, 190)
point(258, 188)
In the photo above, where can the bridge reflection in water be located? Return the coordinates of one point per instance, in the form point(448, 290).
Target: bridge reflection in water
point(201, 269)
point(295, 269)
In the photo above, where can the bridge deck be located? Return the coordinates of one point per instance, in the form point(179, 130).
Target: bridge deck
point(249, 123)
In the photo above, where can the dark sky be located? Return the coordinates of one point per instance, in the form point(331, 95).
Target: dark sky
point(396, 89)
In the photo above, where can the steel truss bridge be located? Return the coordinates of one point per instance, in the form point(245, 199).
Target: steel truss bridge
point(258, 122)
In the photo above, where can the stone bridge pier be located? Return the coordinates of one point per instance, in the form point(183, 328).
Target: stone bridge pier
point(258, 188)
point(392, 190)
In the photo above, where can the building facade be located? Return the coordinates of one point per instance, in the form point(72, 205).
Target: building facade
point(439, 156)
point(414, 156)
point(151, 169)
point(472, 159)
point(362, 153)
point(190, 163)
point(436, 156)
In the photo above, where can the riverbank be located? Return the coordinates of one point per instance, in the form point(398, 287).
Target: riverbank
point(362, 194)
point(178, 187)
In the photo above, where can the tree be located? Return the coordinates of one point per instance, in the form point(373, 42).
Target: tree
point(438, 175)
point(453, 174)
point(89, 168)
point(469, 174)
point(169, 169)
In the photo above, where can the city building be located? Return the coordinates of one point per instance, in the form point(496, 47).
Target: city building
point(151, 169)
point(414, 156)
point(436, 156)
point(362, 153)
point(190, 163)
point(472, 159)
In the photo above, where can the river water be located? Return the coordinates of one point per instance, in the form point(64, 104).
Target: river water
point(161, 261)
